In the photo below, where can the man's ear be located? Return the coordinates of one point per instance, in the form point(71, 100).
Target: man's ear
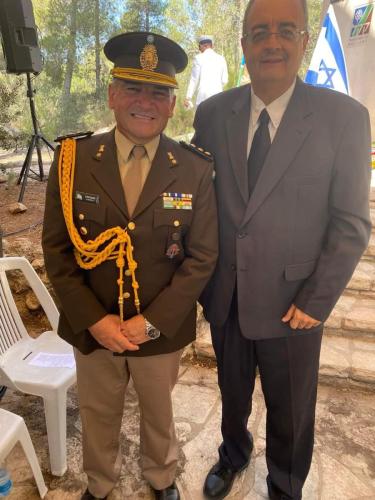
point(306, 38)
point(172, 105)
point(111, 95)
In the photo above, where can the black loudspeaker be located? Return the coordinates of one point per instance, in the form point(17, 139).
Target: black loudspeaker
point(19, 37)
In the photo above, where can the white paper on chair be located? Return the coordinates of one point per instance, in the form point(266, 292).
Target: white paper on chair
point(53, 360)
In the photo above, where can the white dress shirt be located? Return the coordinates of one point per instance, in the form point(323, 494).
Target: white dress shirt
point(209, 74)
point(276, 110)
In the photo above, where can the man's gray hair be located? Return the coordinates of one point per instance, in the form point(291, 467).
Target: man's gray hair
point(250, 4)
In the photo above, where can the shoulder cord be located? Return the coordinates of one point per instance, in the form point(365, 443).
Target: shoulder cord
point(117, 241)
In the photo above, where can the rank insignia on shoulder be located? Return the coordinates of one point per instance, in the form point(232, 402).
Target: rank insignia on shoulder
point(172, 159)
point(78, 135)
point(199, 151)
point(100, 151)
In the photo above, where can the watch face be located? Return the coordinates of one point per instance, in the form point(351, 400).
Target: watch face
point(153, 333)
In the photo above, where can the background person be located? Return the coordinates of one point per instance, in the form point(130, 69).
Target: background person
point(292, 182)
point(209, 73)
point(137, 179)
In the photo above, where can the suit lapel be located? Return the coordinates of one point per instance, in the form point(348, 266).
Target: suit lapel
point(293, 130)
point(106, 170)
point(237, 134)
point(161, 175)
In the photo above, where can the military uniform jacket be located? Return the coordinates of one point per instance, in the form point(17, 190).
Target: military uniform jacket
point(169, 285)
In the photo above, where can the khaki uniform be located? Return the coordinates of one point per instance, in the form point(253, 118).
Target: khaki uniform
point(176, 251)
point(169, 287)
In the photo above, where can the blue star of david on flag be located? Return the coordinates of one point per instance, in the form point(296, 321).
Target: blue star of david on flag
point(327, 67)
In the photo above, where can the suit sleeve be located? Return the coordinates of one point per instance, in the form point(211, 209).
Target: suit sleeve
point(170, 308)
point(350, 226)
point(76, 299)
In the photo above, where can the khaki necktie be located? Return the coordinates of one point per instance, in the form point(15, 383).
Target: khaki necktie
point(133, 178)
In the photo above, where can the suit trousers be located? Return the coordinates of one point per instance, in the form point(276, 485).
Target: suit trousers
point(288, 370)
point(102, 380)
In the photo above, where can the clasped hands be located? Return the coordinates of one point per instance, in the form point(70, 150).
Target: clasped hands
point(119, 337)
point(297, 319)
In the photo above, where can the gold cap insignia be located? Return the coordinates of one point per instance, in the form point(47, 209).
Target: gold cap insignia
point(149, 56)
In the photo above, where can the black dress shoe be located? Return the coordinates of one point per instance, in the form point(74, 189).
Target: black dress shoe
point(88, 496)
point(219, 482)
point(170, 493)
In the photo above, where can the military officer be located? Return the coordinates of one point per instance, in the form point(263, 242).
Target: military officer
point(130, 240)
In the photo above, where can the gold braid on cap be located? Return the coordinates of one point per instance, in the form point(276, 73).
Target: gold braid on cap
point(144, 75)
point(115, 242)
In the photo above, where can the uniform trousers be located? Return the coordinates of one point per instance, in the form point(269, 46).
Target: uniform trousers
point(102, 380)
point(288, 370)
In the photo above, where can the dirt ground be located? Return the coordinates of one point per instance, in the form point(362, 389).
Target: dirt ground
point(29, 223)
point(21, 233)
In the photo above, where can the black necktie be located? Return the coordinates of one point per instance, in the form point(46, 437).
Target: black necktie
point(259, 149)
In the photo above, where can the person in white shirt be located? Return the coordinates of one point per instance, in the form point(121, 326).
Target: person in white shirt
point(209, 74)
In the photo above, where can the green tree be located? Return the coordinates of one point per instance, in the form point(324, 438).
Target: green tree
point(144, 15)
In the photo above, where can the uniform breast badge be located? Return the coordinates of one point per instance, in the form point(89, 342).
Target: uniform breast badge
point(179, 201)
point(172, 251)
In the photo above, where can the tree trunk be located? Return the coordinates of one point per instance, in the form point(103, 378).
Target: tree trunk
point(72, 51)
point(97, 48)
point(147, 27)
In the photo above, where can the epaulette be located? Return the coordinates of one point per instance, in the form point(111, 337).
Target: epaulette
point(78, 135)
point(199, 151)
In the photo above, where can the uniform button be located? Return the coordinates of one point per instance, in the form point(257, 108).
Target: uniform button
point(83, 230)
point(242, 235)
point(233, 267)
point(128, 272)
point(176, 223)
point(131, 226)
point(81, 217)
point(126, 295)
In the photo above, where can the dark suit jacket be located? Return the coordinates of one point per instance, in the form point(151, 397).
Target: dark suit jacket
point(300, 236)
point(169, 287)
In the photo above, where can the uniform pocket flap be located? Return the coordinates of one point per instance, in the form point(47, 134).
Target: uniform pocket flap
point(171, 217)
point(300, 271)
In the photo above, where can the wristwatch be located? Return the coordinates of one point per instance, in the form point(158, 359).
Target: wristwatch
point(151, 332)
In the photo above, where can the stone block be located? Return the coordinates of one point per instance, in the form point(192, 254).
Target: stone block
point(342, 308)
point(363, 367)
point(363, 277)
point(335, 357)
point(361, 317)
point(370, 250)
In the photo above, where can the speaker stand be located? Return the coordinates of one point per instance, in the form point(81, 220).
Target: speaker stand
point(35, 143)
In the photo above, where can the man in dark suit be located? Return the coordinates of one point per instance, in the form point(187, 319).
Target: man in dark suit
point(292, 183)
point(130, 217)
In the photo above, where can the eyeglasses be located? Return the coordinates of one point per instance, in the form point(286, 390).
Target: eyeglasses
point(261, 35)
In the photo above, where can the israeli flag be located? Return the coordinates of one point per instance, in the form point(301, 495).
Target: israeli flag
point(327, 67)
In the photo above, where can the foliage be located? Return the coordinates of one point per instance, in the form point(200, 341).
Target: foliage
point(71, 91)
point(144, 15)
point(9, 95)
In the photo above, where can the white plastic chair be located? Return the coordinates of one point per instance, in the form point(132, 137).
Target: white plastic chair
point(17, 349)
point(12, 430)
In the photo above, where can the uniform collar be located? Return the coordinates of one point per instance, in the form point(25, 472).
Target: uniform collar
point(125, 146)
point(276, 108)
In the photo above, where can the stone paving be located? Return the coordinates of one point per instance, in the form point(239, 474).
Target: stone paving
point(343, 466)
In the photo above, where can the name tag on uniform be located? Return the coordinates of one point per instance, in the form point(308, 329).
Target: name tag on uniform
point(87, 197)
point(179, 201)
